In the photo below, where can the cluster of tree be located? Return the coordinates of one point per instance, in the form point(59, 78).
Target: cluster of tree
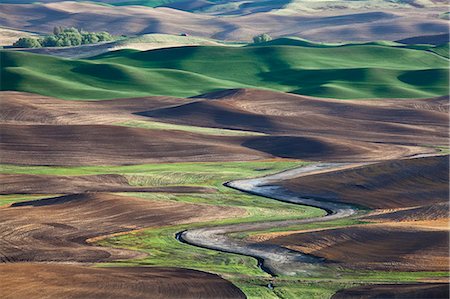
point(64, 37)
point(262, 38)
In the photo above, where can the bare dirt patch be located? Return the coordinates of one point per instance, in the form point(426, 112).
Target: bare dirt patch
point(42, 184)
point(397, 291)
point(114, 145)
point(382, 121)
point(124, 282)
point(45, 131)
point(392, 184)
point(411, 224)
point(56, 230)
point(378, 247)
point(28, 108)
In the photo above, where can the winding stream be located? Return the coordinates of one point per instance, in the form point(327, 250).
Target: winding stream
point(273, 259)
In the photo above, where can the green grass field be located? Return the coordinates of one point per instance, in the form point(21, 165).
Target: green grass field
point(373, 70)
point(198, 174)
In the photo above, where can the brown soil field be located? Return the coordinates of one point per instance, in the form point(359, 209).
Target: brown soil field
point(377, 247)
point(411, 223)
point(22, 280)
point(28, 108)
point(43, 184)
point(391, 184)
point(381, 24)
point(114, 145)
point(328, 149)
point(436, 211)
point(383, 121)
point(251, 110)
point(40, 130)
point(117, 145)
point(396, 291)
point(56, 229)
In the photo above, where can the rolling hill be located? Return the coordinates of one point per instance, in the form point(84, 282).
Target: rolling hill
point(111, 282)
point(238, 7)
point(342, 71)
point(88, 216)
point(407, 229)
point(410, 183)
point(9, 36)
point(277, 125)
point(339, 25)
point(143, 43)
point(422, 121)
point(181, 159)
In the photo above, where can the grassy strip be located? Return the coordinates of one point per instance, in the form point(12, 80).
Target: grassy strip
point(154, 125)
point(194, 174)
point(443, 149)
point(165, 250)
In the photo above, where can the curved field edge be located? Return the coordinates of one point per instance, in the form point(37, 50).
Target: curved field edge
point(374, 71)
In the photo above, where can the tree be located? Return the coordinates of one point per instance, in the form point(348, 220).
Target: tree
point(71, 30)
point(74, 38)
point(27, 42)
point(89, 38)
point(49, 41)
point(62, 41)
point(57, 30)
point(104, 36)
point(261, 38)
point(65, 37)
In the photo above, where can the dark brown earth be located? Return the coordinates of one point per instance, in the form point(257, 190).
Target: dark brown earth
point(375, 247)
point(435, 211)
point(42, 184)
point(81, 133)
point(56, 229)
point(396, 291)
point(28, 108)
point(411, 229)
point(382, 121)
point(114, 145)
point(18, 281)
point(392, 184)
